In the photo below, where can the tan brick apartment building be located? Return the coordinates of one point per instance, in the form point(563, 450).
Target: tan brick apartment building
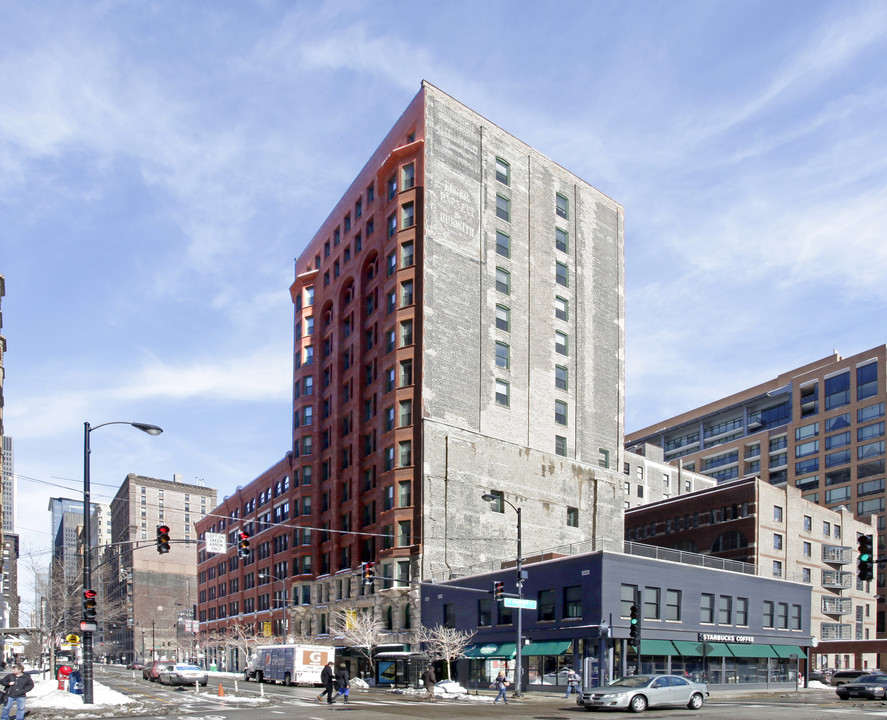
point(775, 533)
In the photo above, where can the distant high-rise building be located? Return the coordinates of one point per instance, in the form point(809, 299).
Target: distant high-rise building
point(144, 592)
point(8, 503)
point(66, 524)
point(459, 331)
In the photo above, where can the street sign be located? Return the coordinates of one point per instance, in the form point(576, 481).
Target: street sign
point(72, 639)
point(215, 543)
point(522, 603)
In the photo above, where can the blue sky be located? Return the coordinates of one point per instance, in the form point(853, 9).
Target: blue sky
point(163, 163)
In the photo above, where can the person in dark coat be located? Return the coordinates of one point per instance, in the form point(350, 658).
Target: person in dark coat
point(328, 679)
point(428, 680)
point(343, 682)
point(17, 685)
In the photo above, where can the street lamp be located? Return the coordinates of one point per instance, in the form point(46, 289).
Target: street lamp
point(285, 602)
point(518, 658)
point(87, 626)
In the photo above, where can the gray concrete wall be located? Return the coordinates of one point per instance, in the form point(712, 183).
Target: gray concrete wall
point(463, 534)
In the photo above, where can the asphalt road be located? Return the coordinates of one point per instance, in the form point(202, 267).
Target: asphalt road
point(158, 702)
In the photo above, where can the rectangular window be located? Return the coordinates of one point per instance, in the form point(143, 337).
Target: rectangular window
point(572, 517)
point(561, 308)
point(502, 393)
point(627, 596)
point(807, 448)
point(561, 239)
point(560, 412)
point(707, 609)
point(392, 225)
point(562, 206)
point(870, 431)
point(406, 254)
point(870, 413)
point(837, 391)
point(407, 216)
point(562, 276)
point(777, 568)
point(503, 318)
point(742, 611)
point(406, 413)
point(866, 381)
point(503, 356)
point(503, 281)
point(405, 453)
point(546, 606)
point(484, 614)
point(652, 602)
point(560, 445)
point(561, 344)
point(409, 176)
point(503, 208)
point(673, 605)
point(561, 377)
point(503, 244)
point(573, 601)
point(725, 610)
point(503, 172)
point(392, 186)
point(768, 614)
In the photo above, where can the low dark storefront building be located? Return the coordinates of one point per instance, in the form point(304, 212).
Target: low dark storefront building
point(708, 623)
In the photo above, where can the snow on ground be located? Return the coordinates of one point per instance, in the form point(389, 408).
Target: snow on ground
point(47, 696)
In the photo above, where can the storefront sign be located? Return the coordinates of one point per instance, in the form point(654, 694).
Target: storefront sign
point(740, 639)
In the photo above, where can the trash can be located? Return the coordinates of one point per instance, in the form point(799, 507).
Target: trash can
point(63, 675)
point(212, 667)
point(75, 683)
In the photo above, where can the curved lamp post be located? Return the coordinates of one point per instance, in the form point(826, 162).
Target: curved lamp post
point(285, 602)
point(518, 657)
point(87, 626)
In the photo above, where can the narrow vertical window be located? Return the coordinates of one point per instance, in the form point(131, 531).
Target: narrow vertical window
point(503, 356)
point(503, 172)
point(502, 393)
point(503, 281)
point(503, 244)
point(503, 208)
point(562, 206)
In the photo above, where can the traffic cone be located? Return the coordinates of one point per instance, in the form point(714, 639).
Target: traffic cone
point(221, 691)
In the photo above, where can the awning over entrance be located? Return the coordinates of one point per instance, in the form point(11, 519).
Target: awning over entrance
point(698, 649)
point(546, 647)
point(786, 651)
point(491, 650)
point(657, 647)
point(750, 650)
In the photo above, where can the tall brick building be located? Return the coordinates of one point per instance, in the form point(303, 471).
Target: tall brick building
point(459, 322)
point(819, 428)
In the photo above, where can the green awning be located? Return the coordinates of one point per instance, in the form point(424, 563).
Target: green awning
point(696, 649)
point(657, 647)
point(491, 650)
point(546, 647)
point(786, 651)
point(750, 650)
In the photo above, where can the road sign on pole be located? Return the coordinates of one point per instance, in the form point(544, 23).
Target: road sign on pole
point(519, 603)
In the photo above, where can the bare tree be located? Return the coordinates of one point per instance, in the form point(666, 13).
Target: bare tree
point(58, 614)
point(444, 643)
point(360, 629)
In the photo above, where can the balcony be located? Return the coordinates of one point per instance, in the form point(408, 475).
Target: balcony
point(837, 605)
point(837, 554)
point(837, 579)
point(835, 631)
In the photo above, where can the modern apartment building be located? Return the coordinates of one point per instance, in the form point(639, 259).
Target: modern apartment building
point(771, 531)
point(459, 322)
point(145, 591)
point(819, 428)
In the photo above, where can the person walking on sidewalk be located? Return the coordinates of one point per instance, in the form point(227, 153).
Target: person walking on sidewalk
point(572, 683)
point(501, 684)
point(343, 682)
point(328, 680)
point(17, 685)
point(428, 680)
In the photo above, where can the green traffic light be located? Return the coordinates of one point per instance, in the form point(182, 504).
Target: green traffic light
point(865, 557)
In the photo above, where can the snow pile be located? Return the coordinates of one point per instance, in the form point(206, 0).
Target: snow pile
point(358, 683)
point(816, 685)
point(449, 688)
point(47, 696)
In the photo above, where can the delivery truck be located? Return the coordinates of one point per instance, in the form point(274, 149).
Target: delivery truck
point(288, 664)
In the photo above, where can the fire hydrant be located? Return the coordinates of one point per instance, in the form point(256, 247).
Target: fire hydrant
point(64, 673)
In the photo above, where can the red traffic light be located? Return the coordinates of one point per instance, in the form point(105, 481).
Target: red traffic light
point(164, 529)
point(89, 594)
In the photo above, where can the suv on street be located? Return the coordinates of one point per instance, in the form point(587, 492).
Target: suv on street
point(841, 677)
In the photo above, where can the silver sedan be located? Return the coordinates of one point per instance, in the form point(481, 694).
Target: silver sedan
point(638, 692)
point(183, 674)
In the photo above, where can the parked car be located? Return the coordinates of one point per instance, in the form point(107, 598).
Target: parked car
point(152, 670)
point(638, 692)
point(842, 677)
point(870, 687)
point(136, 665)
point(183, 674)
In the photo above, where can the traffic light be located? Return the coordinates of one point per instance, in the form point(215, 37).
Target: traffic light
point(498, 590)
point(162, 539)
point(89, 605)
point(634, 626)
point(243, 546)
point(865, 564)
point(368, 573)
